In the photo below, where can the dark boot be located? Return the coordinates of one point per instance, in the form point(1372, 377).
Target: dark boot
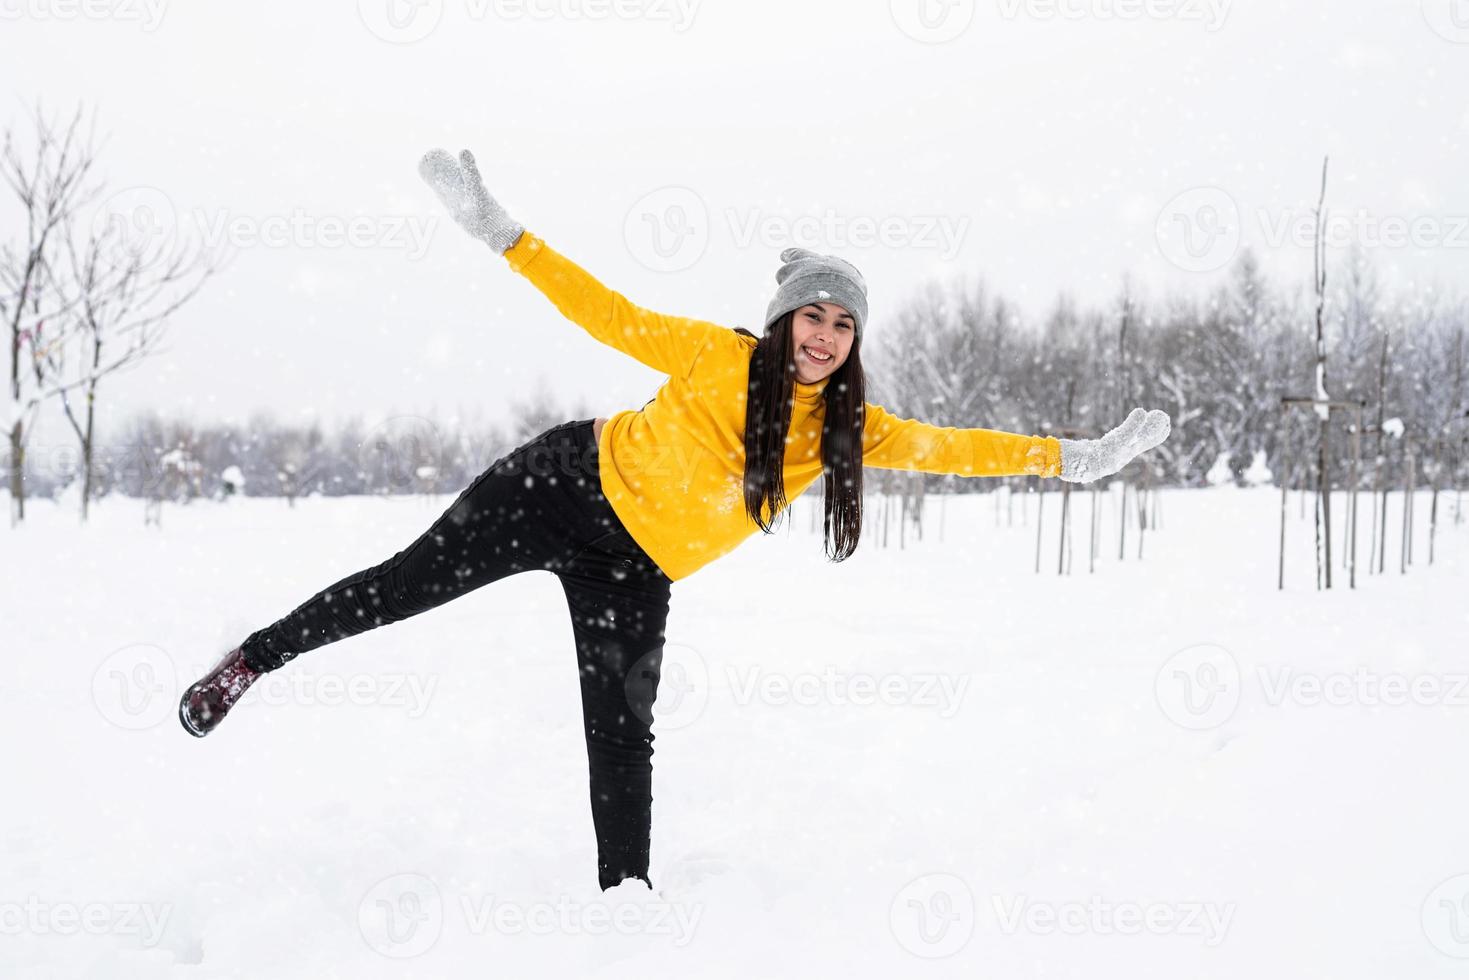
point(204, 705)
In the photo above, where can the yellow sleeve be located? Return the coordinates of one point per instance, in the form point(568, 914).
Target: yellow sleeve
point(665, 343)
point(893, 443)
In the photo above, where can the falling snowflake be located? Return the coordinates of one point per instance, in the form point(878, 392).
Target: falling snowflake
point(733, 496)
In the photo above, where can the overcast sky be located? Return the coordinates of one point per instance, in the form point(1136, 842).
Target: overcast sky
point(673, 147)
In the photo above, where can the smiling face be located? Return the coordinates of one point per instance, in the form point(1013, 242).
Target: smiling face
point(819, 329)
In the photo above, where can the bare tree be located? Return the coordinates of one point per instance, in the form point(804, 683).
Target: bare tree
point(50, 185)
point(1323, 399)
point(534, 415)
point(122, 290)
point(179, 479)
point(296, 457)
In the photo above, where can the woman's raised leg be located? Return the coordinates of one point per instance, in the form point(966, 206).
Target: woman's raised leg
point(534, 508)
point(520, 514)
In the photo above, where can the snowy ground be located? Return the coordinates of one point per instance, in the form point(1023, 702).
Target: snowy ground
point(923, 762)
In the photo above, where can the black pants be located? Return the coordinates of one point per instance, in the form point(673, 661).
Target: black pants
point(539, 507)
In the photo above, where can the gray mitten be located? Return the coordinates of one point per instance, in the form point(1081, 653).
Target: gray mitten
point(459, 186)
point(1084, 460)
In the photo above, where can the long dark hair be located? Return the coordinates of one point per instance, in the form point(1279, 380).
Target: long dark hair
point(768, 405)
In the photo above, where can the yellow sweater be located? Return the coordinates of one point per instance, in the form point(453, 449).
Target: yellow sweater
point(673, 470)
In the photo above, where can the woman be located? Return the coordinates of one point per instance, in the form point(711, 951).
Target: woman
point(620, 508)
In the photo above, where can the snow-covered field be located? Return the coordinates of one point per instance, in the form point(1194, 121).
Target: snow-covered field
point(922, 762)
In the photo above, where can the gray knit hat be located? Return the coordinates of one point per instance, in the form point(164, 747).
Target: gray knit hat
point(806, 277)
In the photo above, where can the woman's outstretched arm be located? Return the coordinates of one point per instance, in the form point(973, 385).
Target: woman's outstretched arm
point(665, 343)
point(893, 443)
point(889, 442)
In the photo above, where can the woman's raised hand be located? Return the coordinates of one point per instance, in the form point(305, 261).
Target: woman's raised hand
point(1084, 460)
point(458, 184)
